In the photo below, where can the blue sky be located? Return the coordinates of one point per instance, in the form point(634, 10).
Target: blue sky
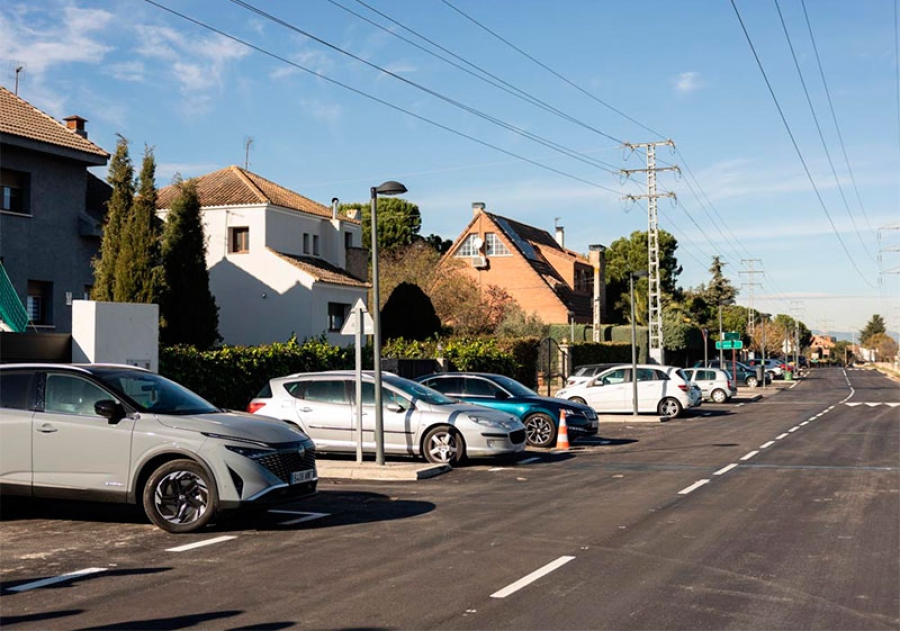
point(634, 72)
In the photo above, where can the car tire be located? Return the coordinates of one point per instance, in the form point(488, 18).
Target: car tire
point(443, 445)
point(180, 496)
point(752, 382)
point(669, 407)
point(719, 396)
point(540, 430)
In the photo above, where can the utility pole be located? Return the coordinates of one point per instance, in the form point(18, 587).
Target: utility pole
point(598, 261)
point(751, 283)
point(655, 309)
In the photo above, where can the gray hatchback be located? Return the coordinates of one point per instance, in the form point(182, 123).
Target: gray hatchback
point(122, 434)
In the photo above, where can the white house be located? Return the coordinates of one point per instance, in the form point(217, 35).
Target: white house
point(279, 263)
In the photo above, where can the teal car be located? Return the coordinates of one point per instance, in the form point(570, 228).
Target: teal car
point(539, 414)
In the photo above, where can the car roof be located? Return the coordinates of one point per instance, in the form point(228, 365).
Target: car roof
point(86, 368)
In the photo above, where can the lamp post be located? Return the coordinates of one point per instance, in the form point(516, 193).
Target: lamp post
point(634, 389)
point(388, 188)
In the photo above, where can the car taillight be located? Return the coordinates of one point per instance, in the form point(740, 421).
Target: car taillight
point(730, 387)
point(254, 406)
point(683, 387)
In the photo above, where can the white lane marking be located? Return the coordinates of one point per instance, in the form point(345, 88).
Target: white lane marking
point(804, 423)
point(306, 516)
point(725, 470)
point(768, 444)
point(57, 579)
point(527, 580)
point(794, 429)
point(529, 460)
point(199, 544)
point(696, 485)
point(749, 455)
point(780, 436)
point(739, 405)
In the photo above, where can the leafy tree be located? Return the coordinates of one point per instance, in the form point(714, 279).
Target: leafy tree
point(438, 243)
point(121, 178)
point(139, 268)
point(188, 311)
point(399, 222)
point(884, 345)
point(518, 325)
point(625, 255)
point(409, 314)
point(873, 327)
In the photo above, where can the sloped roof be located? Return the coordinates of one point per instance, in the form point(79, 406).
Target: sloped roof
point(19, 118)
point(234, 186)
point(321, 270)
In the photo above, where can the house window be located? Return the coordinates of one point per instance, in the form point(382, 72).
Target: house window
point(584, 280)
point(337, 315)
point(39, 302)
point(468, 247)
point(316, 245)
point(306, 243)
point(239, 240)
point(14, 191)
point(493, 246)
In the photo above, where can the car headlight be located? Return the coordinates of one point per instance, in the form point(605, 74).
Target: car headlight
point(490, 421)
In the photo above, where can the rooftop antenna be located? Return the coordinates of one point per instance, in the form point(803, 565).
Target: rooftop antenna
point(247, 142)
point(17, 67)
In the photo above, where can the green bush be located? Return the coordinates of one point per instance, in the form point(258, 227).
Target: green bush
point(600, 353)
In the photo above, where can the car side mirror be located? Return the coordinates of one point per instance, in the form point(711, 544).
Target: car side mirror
point(112, 410)
point(394, 407)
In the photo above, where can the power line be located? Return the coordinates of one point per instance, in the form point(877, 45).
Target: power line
point(366, 95)
point(797, 147)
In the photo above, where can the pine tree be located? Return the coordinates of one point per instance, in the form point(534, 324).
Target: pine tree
point(873, 327)
point(188, 310)
point(121, 178)
point(138, 267)
point(720, 290)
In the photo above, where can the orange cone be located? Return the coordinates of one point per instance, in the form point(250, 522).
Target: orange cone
point(562, 437)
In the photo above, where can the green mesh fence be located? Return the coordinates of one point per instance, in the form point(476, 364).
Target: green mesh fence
point(12, 311)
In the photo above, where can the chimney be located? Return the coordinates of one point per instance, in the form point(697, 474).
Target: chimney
point(561, 236)
point(334, 207)
point(76, 124)
point(477, 207)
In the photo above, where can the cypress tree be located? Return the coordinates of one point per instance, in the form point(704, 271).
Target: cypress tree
point(188, 311)
point(121, 178)
point(138, 267)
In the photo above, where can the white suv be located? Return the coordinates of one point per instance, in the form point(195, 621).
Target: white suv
point(122, 434)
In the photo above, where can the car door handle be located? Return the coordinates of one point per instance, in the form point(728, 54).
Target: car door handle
point(306, 409)
point(46, 429)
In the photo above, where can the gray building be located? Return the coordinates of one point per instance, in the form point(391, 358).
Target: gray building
point(51, 210)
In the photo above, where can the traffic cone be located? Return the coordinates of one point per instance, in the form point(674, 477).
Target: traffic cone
point(562, 437)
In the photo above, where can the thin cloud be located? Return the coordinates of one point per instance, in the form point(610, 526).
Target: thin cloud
point(688, 82)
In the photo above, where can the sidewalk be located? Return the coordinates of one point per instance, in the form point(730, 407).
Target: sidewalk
point(335, 467)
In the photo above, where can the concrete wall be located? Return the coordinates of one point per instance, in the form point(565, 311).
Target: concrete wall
point(115, 332)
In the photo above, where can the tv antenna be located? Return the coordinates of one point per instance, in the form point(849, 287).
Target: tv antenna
point(17, 68)
point(247, 142)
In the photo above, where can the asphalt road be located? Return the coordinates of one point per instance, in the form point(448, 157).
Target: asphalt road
point(782, 513)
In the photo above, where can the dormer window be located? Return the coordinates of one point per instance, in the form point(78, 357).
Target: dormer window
point(493, 246)
point(470, 247)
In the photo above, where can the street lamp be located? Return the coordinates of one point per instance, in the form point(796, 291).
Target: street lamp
point(634, 389)
point(388, 188)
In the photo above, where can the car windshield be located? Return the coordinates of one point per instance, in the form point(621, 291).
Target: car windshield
point(149, 392)
point(418, 392)
point(515, 388)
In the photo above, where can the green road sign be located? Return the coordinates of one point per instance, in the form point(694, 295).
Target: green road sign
point(732, 335)
point(728, 345)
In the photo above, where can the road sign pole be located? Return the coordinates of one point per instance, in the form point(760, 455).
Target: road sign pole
point(359, 414)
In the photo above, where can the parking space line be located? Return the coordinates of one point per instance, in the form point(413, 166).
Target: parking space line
point(306, 516)
point(527, 580)
point(200, 544)
point(768, 444)
point(749, 455)
point(528, 460)
point(696, 485)
point(725, 470)
point(57, 579)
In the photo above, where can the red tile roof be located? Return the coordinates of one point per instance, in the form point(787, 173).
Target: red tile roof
point(234, 186)
point(20, 118)
point(321, 270)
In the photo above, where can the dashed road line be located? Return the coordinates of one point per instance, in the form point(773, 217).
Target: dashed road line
point(780, 436)
point(696, 485)
point(57, 579)
point(527, 580)
point(793, 429)
point(768, 444)
point(749, 455)
point(725, 470)
point(200, 544)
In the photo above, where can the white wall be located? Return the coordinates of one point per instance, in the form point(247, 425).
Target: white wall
point(115, 332)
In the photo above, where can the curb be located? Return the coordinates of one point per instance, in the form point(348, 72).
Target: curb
point(390, 471)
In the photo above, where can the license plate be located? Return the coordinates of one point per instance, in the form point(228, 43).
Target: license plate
point(298, 477)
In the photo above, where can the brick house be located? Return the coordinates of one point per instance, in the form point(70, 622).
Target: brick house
point(279, 263)
point(51, 210)
point(535, 268)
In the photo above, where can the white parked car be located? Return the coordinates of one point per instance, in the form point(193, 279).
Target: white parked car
point(715, 384)
point(663, 390)
point(418, 420)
